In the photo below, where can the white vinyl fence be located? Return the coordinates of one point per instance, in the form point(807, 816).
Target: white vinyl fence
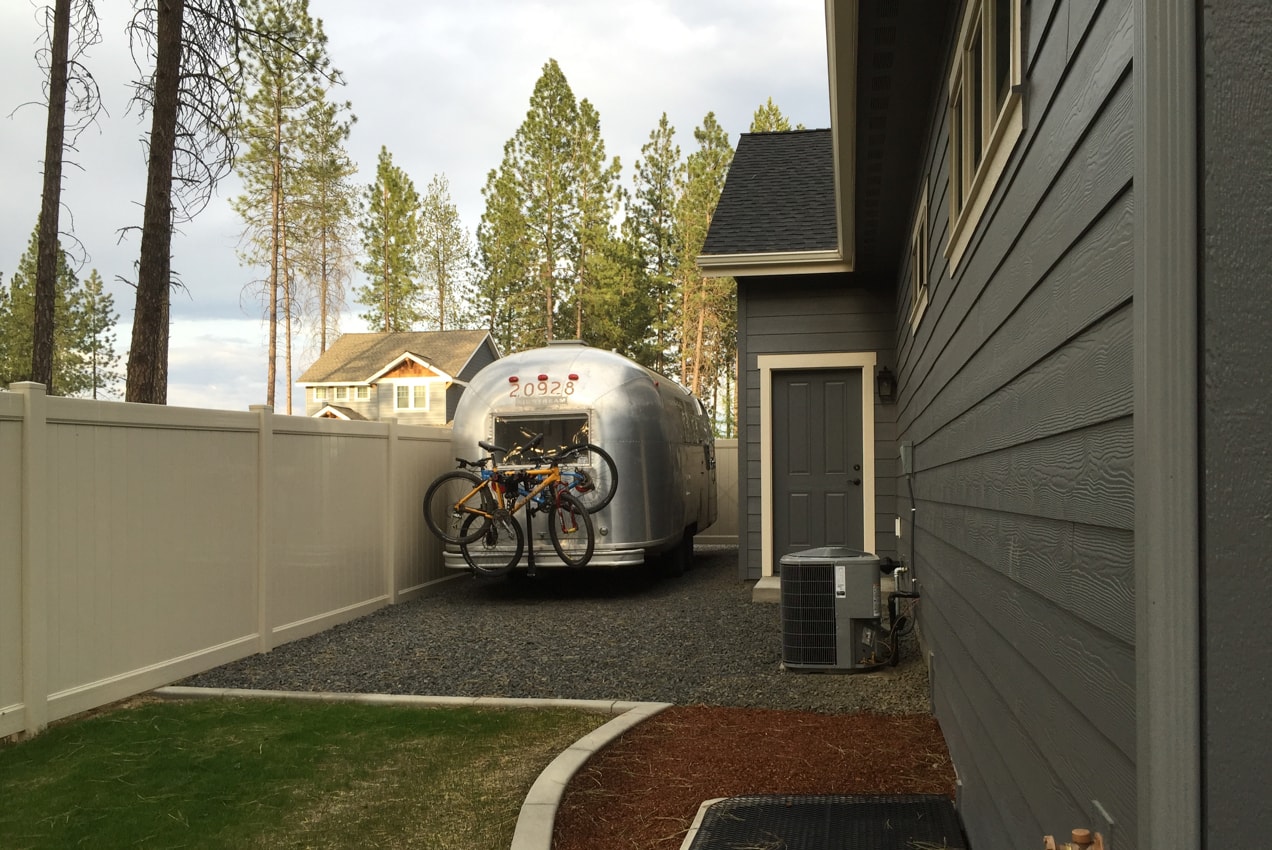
point(141, 544)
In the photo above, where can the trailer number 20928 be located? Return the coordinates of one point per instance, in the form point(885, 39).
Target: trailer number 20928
point(541, 388)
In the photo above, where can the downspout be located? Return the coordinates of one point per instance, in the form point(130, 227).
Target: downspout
point(1165, 310)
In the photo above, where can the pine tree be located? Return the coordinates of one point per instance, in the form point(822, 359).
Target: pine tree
point(286, 76)
point(83, 320)
point(541, 158)
point(325, 216)
point(597, 198)
point(390, 244)
point(708, 305)
point(769, 119)
point(504, 259)
point(651, 224)
point(446, 259)
point(99, 321)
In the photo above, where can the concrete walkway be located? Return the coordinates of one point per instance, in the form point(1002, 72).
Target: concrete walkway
point(538, 812)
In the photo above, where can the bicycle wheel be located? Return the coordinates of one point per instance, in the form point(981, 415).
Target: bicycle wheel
point(570, 529)
point(450, 499)
point(496, 551)
point(593, 476)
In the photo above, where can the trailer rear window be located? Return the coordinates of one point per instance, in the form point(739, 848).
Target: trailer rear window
point(513, 432)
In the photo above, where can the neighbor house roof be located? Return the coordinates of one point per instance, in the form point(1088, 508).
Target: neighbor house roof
point(359, 358)
point(778, 205)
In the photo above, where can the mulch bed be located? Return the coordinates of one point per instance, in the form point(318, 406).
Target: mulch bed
point(643, 791)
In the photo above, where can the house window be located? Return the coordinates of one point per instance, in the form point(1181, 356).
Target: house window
point(320, 394)
point(412, 397)
point(362, 393)
point(919, 262)
point(342, 393)
point(986, 112)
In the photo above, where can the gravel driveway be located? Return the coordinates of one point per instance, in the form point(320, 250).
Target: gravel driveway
point(693, 639)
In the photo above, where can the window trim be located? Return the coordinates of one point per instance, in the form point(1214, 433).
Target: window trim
point(411, 387)
point(975, 171)
point(920, 245)
point(362, 393)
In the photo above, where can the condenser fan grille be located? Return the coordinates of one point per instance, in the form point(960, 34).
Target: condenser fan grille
point(808, 614)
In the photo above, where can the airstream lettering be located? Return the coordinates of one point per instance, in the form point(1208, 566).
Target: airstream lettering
point(658, 434)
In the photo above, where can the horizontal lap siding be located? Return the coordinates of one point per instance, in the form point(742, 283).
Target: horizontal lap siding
point(1017, 395)
point(804, 315)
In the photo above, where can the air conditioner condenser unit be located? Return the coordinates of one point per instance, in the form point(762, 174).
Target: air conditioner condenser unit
point(831, 610)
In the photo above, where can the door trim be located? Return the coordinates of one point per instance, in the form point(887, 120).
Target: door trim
point(770, 363)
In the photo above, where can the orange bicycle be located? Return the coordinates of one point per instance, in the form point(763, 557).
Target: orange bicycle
point(464, 507)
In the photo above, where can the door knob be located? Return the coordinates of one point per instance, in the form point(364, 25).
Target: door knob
point(856, 481)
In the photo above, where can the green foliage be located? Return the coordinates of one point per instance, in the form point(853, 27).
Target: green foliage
point(84, 359)
point(549, 206)
point(391, 248)
point(651, 229)
point(769, 119)
point(708, 305)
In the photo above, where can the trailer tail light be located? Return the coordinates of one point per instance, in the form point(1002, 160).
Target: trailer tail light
point(512, 379)
point(543, 377)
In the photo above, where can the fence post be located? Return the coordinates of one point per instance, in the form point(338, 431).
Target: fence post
point(264, 522)
point(391, 512)
point(35, 556)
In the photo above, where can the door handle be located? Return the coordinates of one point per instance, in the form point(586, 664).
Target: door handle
point(856, 481)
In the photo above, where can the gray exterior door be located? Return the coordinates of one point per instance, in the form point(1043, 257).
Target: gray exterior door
point(817, 476)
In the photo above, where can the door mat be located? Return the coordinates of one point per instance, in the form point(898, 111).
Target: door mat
point(903, 822)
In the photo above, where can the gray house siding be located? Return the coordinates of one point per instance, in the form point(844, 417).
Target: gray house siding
point(481, 358)
point(809, 314)
point(1016, 392)
point(1236, 484)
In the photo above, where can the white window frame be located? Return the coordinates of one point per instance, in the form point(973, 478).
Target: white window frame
point(920, 237)
point(362, 393)
point(413, 389)
point(976, 116)
point(340, 393)
point(322, 393)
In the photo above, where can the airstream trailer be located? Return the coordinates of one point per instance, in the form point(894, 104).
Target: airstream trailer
point(657, 432)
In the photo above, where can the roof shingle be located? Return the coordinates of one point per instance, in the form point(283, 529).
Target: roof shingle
point(355, 358)
point(779, 196)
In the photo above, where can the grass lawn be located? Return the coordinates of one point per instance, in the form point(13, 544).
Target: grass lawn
point(266, 774)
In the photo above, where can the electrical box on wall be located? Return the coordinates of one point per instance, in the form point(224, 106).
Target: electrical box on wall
point(907, 458)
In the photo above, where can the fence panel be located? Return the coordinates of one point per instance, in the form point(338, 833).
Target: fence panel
point(11, 706)
point(725, 529)
point(420, 454)
point(149, 531)
point(328, 546)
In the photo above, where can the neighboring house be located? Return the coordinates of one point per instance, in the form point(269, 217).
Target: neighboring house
point(416, 377)
point(1059, 258)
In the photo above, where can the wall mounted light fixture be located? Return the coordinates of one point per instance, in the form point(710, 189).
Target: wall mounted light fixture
point(886, 384)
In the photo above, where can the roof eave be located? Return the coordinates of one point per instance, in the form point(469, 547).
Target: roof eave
point(774, 263)
point(841, 58)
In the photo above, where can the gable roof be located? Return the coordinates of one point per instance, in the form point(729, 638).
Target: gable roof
point(777, 205)
point(358, 358)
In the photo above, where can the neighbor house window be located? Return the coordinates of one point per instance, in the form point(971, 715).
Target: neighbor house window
point(320, 394)
point(919, 260)
point(412, 397)
point(362, 393)
point(342, 393)
point(986, 113)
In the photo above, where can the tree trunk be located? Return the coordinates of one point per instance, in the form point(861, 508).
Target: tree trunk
point(275, 236)
point(148, 356)
point(50, 201)
point(288, 284)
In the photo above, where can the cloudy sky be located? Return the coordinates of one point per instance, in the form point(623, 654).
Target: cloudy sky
point(443, 85)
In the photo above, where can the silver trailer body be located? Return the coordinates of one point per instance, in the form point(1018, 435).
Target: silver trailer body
point(657, 432)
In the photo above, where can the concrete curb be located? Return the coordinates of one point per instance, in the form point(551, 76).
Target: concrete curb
point(538, 813)
point(600, 706)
